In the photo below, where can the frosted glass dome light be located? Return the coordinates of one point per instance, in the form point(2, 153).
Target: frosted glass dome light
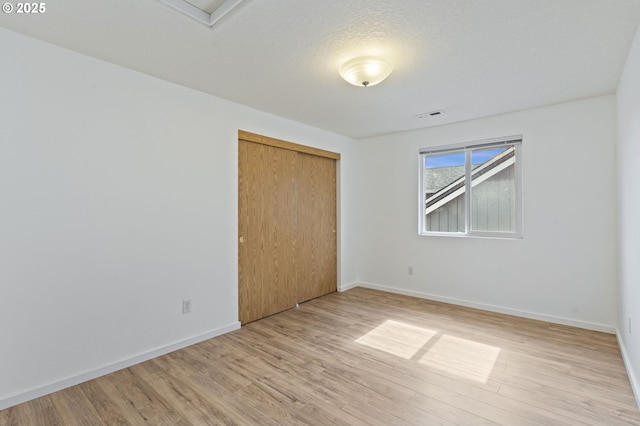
point(365, 71)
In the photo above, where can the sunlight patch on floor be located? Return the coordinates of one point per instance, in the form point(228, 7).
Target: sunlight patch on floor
point(454, 355)
point(397, 338)
point(462, 357)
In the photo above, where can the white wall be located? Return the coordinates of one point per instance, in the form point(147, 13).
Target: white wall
point(119, 200)
point(564, 270)
point(628, 97)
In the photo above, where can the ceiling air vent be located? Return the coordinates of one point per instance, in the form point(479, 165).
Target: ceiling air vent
point(430, 114)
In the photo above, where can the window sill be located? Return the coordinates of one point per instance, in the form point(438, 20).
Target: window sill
point(491, 236)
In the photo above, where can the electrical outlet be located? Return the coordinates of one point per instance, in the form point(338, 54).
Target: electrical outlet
point(410, 270)
point(186, 306)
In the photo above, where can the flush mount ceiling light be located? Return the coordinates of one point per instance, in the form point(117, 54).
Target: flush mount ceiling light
point(365, 71)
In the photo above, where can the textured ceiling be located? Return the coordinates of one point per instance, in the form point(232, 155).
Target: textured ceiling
point(469, 58)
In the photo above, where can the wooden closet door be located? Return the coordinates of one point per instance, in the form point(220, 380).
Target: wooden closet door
point(316, 227)
point(267, 225)
point(286, 225)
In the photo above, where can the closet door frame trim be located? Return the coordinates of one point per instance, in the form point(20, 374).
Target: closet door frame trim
point(264, 140)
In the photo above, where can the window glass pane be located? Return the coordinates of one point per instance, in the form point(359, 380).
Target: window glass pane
point(493, 193)
point(444, 187)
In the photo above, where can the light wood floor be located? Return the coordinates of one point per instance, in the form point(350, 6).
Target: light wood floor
point(363, 357)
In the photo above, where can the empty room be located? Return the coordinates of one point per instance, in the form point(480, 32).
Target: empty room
point(401, 212)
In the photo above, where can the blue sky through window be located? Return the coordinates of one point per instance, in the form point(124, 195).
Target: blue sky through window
point(457, 158)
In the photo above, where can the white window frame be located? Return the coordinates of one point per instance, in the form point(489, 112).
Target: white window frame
point(467, 148)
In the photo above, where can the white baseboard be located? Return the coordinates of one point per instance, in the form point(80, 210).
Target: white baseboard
point(110, 368)
point(635, 386)
point(348, 286)
point(492, 308)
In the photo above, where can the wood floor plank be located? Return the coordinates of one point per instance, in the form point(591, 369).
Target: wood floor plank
point(150, 405)
point(107, 402)
point(38, 412)
point(73, 407)
point(363, 357)
point(568, 406)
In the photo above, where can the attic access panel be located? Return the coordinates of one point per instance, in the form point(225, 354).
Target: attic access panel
point(208, 6)
point(207, 12)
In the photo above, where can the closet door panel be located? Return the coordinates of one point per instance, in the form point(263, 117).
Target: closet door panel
point(267, 229)
point(317, 227)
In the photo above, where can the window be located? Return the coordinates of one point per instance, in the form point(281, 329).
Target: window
point(472, 189)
